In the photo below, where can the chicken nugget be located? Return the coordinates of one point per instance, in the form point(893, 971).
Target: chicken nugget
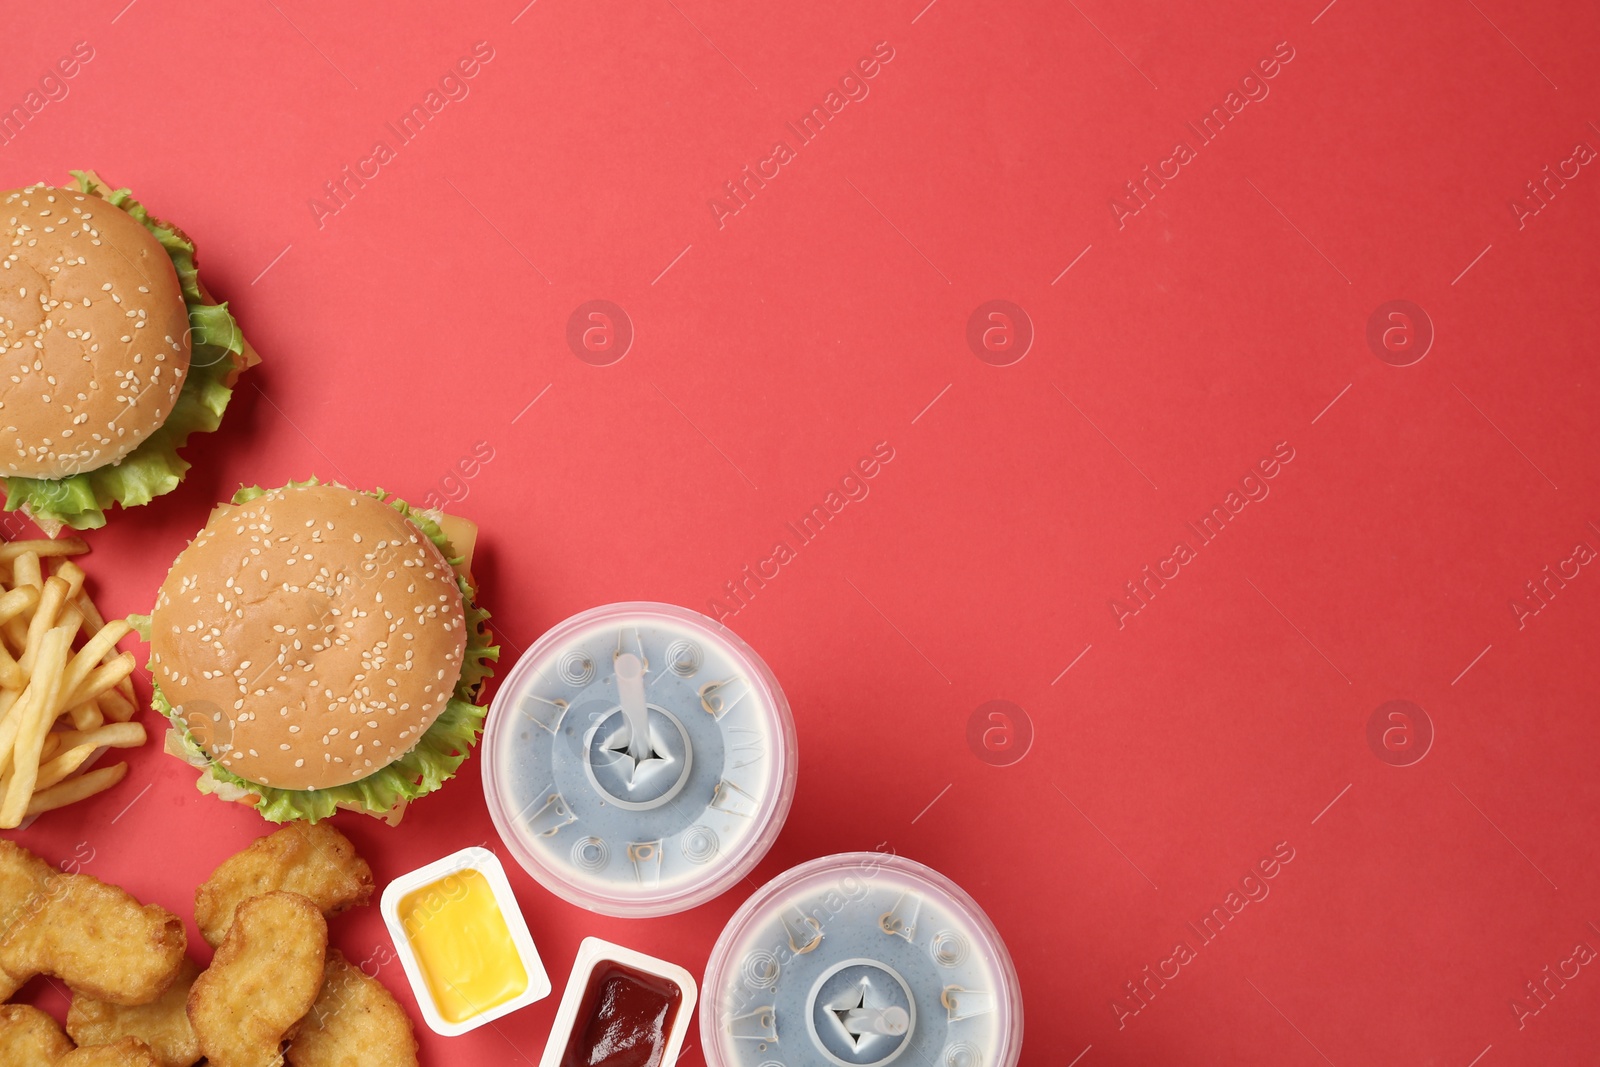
point(22, 879)
point(128, 1052)
point(316, 861)
point(163, 1024)
point(28, 1035)
point(96, 938)
point(355, 1022)
point(22, 874)
point(261, 982)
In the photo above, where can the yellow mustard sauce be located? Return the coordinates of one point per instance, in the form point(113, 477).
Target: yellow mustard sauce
point(463, 945)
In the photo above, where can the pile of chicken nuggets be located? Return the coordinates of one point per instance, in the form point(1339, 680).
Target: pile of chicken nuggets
point(274, 993)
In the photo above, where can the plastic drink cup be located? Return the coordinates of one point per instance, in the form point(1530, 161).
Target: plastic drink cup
point(628, 825)
point(860, 960)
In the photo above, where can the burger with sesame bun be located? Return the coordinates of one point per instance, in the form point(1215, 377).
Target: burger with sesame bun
point(316, 649)
point(111, 352)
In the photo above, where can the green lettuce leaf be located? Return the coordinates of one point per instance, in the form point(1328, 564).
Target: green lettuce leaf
point(155, 467)
point(442, 749)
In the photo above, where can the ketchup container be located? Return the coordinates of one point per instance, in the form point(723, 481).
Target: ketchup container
point(621, 1008)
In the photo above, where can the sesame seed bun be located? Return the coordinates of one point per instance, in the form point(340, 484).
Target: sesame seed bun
point(94, 341)
point(309, 637)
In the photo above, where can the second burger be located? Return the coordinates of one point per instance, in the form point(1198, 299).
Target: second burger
point(317, 648)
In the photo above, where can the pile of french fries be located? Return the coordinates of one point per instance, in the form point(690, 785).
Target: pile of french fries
point(65, 691)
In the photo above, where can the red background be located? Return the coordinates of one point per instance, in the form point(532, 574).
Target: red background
point(775, 351)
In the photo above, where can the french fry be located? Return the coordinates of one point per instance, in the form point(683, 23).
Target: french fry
point(93, 623)
point(75, 789)
point(11, 676)
point(115, 707)
point(45, 617)
point(94, 620)
point(57, 769)
point(101, 679)
point(54, 646)
point(24, 574)
point(15, 632)
point(11, 726)
point(25, 567)
point(13, 684)
point(17, 601)
point(85, 716)
point(58, 706)
point(93, 651)
point(66, 546)
point(112, 735)
point(41, 713)
point(73, 574)
point(71, 615)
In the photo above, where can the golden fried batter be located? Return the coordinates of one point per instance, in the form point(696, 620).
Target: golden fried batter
point(96, 938)
point(163, 1024)
point(316, 861)
point(261, 982)
point(128, 1052)
point(29, 1036)
point(22, 877)
point(354, 1023)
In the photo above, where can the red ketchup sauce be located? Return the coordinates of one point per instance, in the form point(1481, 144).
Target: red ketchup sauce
point(623, 1019)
